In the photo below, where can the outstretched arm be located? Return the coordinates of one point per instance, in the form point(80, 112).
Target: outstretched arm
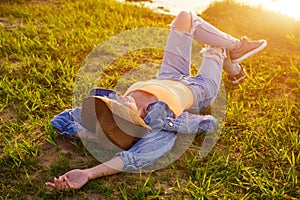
point(76, 178)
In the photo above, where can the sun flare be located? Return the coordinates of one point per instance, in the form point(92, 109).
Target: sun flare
point(285, 7)
point(289, 7)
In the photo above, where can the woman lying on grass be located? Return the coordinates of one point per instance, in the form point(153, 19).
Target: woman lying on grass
point(165, 104)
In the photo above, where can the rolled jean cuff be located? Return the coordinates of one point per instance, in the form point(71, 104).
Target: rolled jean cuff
point(68, 122)
point(130, 164)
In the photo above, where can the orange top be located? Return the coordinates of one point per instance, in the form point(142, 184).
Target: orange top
point(177, 95)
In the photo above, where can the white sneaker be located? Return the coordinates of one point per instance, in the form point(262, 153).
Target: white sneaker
point(247, 49)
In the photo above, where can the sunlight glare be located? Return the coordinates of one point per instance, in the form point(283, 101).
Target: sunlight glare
point(285, 7)
point(289, 7)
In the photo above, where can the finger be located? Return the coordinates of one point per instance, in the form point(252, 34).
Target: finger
point(61, 178)
point(50, 185)
point(58, 184)
point(66, 188)
point(69, 185)
point(63, 183)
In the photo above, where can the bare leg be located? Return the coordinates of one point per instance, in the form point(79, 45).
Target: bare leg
point(230, 67)
point(183, 22)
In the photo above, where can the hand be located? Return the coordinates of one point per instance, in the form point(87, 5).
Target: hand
point(74, 179)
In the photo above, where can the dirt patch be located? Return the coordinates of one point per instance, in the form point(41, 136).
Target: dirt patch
point(164, 179)
point(4, 22)
point(65, 148)
point(8, 24)
point(7, 114)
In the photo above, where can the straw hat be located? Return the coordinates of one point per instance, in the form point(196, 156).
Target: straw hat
point(121, 125)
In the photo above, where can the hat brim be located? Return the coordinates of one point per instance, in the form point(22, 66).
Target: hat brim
point(120, 124)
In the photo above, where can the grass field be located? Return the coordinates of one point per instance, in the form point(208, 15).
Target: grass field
point(42, 46)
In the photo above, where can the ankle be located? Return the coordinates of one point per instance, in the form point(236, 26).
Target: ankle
point(231, 68)
point(234, 69)
point(238, 44)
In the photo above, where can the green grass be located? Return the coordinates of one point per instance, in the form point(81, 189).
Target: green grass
point(41, 50)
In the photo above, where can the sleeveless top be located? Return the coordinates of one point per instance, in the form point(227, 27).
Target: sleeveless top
point(176, 94)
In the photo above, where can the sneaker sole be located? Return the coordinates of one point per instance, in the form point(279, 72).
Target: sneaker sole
point(250, 53)
point(236, 82)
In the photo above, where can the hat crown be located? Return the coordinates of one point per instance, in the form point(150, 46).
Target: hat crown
point(120, 124)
